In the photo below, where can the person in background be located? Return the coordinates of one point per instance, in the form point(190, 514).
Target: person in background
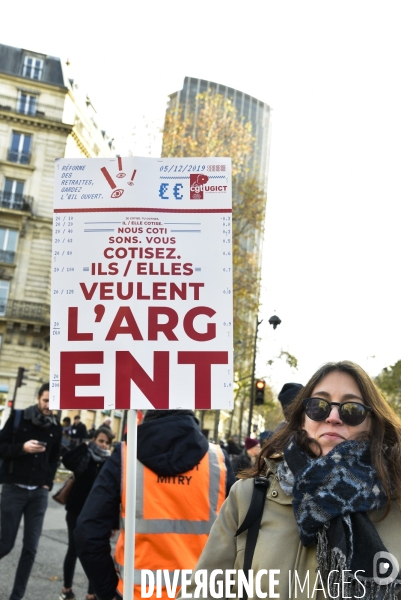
point(78, 431)
point(107, 423)
point(31, 457)
point(287, 395)
point(181, 480)
point(223, 445)
point(92, 431)
point(85, 461)
point(248, 455)
point(66, 435)
point(264, 436)
point(233, 448)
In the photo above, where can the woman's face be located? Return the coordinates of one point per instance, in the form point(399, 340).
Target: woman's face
point(102, 441)
point(336, 387)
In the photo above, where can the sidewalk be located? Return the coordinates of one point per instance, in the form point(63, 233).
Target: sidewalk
point(46, 579)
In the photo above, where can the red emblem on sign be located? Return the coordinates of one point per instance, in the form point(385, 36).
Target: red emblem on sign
point(196, 182)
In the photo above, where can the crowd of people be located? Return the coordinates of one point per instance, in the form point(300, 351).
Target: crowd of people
point(314, 503)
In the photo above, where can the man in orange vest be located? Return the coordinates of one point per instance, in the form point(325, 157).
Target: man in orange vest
point(182, 481)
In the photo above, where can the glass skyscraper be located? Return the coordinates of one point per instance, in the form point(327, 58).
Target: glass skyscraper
point(249, 108)
point(187, 104)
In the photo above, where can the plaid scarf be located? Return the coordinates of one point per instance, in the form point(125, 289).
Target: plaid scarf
point(39, 419)
point(332, 494)
point(97, 453)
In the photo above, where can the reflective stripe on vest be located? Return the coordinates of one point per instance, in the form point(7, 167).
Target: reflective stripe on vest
point(179, 525)
point(152, 531)
point(138, 574)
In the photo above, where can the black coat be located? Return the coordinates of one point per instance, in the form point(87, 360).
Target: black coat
point(167, 446)
point(23, 467)
point(85, 470)
point(79, 432)
point(233, 448)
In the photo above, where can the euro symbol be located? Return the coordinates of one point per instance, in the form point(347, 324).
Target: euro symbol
point(162, 190)
point(176, 191)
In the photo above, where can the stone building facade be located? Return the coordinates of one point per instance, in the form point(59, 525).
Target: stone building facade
point(43, 116)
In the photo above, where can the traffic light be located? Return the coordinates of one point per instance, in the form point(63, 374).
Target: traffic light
point(260, 391)
point(21, 376)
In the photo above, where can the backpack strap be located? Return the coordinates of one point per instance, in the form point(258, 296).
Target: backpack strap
point(253, 519)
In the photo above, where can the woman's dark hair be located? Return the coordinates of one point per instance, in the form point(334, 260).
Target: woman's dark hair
point(107, 432)
point(385, 433)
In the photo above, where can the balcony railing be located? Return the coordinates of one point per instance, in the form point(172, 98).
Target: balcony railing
point(27, 311)
point(36, 109)
point(6, 256)
point(16, 156)
point(16, 201)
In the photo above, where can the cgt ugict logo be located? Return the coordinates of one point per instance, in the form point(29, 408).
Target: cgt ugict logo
point(197, 186)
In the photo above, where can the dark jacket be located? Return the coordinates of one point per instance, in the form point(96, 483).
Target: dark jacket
point(85, 470)
point(23, 467)
point(233, 448)
point(79, 432)
point(167, 446)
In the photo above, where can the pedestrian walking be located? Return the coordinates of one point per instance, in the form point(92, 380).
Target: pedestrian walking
point(31, 455)
point(85, 461)
point(66, 435)
point(78, 431)
point(233, 448)
point(248, 455)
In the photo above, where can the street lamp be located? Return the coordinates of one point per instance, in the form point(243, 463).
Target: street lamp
point(274, 321)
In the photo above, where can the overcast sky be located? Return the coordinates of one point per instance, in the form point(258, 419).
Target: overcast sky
point(331, 73)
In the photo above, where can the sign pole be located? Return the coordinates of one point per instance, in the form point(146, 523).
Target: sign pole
point(129, 546)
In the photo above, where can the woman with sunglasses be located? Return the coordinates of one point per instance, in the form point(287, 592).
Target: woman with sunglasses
point(331, 522)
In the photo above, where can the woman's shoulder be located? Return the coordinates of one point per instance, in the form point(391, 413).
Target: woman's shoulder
point(242, 490)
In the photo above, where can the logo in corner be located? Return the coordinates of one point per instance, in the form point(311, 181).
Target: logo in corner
point(385, 568)
point(196, 183)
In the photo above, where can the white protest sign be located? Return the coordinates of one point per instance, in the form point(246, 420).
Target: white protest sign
point(142, 284)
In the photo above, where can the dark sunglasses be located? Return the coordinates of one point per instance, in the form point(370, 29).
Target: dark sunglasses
point(351, 413)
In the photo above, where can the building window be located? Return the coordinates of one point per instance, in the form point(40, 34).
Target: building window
point(8, 244)
point(27, 103)
point(33, 68)
point(12, 196)
point(4, 289)
point(20, 148)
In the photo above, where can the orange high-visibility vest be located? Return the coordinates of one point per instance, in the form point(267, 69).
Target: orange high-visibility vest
point(174, 515)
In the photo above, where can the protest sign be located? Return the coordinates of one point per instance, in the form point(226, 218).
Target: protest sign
point(142, 284)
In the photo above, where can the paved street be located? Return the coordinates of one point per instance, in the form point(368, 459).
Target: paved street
point(46, 579)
